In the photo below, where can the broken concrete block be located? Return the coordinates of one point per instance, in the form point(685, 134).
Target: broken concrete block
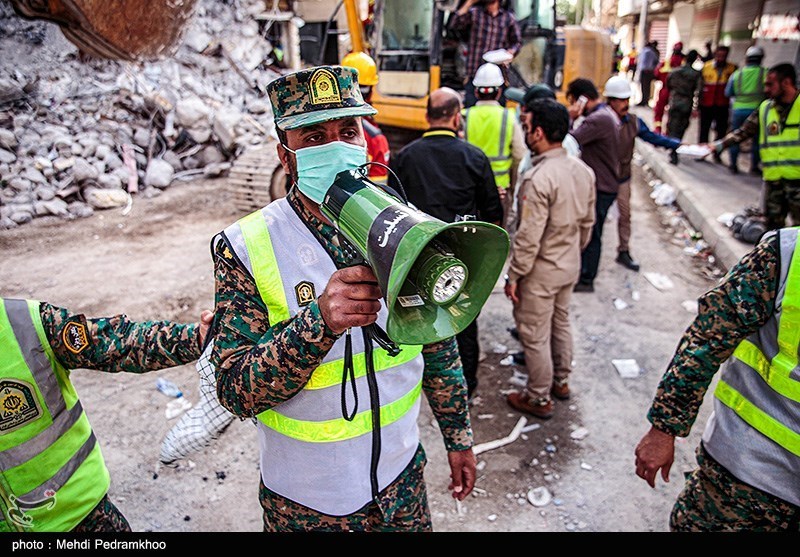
point(159, 174)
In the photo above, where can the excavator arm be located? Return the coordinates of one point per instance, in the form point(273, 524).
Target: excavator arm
point(130, 30)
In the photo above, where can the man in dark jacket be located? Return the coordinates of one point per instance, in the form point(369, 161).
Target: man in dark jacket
point(598, 136)
point(451, 180)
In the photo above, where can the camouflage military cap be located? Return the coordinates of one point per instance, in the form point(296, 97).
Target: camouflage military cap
point(316, 95)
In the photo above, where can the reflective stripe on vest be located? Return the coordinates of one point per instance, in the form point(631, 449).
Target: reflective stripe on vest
point(754, 431)
point(340, 429)
point(779, 145)
point(758, 419)
point(52, 473)
point(748, 87)
point(267, 274)
point(489, 128)
point(259, 246)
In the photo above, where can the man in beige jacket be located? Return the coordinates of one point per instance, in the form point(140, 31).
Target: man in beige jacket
point(556, 215)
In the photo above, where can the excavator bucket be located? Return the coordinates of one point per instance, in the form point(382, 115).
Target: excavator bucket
point(131, 30)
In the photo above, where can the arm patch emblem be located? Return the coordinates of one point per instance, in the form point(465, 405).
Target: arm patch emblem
point(74, 337)
point(304, 292)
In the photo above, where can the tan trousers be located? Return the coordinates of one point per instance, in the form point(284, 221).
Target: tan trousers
point(624, 222)
point(542, 319)
point(509, 215)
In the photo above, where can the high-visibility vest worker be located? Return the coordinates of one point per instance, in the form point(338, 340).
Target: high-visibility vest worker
point(748, 87)
point(52, 473)
point(298, 434)
point(489, 127)
point(779, 145)
point(754, 433)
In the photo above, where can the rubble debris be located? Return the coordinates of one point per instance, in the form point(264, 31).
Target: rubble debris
point(690, 306)
point(620, 304)
point(660, 281)
point(663, 194)
point(627, 369)
point(510, 438)
point(579, 433)
point(519, 378)
point(539, 496)
point(86, 131)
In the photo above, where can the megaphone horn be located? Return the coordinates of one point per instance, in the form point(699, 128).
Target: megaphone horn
point(435, 276)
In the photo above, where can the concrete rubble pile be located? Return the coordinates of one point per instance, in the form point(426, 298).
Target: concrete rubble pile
point(81, 134)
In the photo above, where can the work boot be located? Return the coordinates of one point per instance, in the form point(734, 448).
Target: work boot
point(717, 158)
point(673, 157)
point(583, 287)
point(560, 389)
point(734, 169)
point(541, 408)
point(519, 358)
point(755, 171)
point(624, 258)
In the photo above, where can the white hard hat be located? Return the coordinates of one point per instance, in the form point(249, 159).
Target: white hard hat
point(754, 52)
point(488, 75)
point(617, 87)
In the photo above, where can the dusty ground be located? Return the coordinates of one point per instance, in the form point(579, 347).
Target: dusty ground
point(155, 263)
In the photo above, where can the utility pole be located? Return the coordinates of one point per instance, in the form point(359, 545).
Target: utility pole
point(642, 26)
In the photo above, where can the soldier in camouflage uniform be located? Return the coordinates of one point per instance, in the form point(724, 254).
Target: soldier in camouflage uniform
point(775, 124)
point(285, 310)
point(748, 457)
point(40, 411)
point(683, 84)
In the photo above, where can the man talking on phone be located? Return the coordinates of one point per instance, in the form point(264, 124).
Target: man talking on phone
point(598, 136)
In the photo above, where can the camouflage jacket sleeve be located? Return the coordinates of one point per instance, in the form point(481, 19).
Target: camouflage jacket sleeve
point(728, 313)
point(257, 365)
point(446, 391)
point(116, 343)
point(748, 129)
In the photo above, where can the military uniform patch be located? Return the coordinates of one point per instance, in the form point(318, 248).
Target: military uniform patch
point(304, 291)
point(18, 404)
point(74, 337)
point(324, 88)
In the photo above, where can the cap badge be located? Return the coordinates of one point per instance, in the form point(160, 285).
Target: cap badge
point(324, 88)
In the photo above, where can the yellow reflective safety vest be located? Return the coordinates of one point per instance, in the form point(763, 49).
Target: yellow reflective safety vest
point(779, 144)
point(309, 452)
point(52, 474)
point(754, 431)
point(748, 87)
point(490, 127)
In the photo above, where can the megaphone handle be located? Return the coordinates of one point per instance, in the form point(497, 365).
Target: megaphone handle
point(348, 368)
point(376, 333)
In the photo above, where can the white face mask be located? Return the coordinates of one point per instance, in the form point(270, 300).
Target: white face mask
point(318, 166)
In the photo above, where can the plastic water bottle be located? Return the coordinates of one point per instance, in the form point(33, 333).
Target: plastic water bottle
point(168, 387)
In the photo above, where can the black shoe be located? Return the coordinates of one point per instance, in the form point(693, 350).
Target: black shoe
point(514, 332)
point(519, 358)
point(755, 172)
point(583, 287)
point(734, 169)
point(624, 258)
point(673, 157)
point(717, 158)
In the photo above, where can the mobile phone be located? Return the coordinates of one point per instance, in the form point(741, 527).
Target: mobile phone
point(582, 100)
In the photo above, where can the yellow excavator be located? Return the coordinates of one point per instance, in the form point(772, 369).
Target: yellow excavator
point(416, 52)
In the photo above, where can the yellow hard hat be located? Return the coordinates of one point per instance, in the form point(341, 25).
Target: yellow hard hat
point(363, 62)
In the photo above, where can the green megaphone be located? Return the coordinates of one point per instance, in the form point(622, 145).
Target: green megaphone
point(435, 276)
